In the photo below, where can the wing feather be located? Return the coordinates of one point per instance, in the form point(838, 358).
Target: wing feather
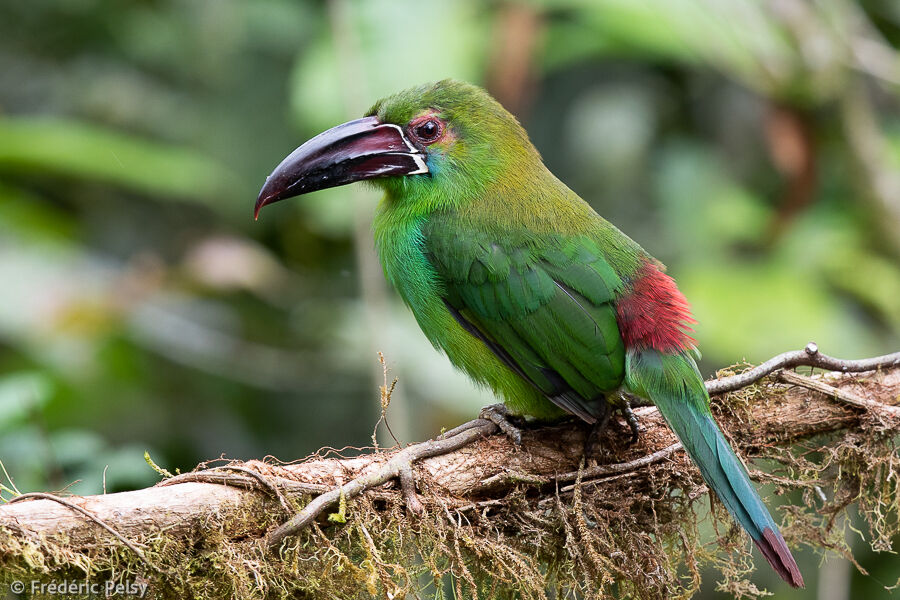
point(544, 309)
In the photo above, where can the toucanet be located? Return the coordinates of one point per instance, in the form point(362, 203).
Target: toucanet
point(519, 281)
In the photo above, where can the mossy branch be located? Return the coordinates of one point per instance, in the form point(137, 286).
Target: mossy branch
point(478, 516)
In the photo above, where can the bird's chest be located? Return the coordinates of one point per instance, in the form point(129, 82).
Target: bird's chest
point(400, 245)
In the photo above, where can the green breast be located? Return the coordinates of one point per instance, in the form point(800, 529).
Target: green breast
point(402, 248)
point(544, 303)
point(530, 315)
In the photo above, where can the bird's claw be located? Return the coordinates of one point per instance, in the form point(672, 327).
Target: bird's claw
point(499, 415)
point(592, 443)
point(631, 419)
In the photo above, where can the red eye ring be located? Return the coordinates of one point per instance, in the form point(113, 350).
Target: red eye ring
point(426, 130)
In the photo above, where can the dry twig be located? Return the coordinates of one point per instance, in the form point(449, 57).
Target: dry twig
point(808, 357)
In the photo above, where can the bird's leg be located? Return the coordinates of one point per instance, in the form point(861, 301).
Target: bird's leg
point(629, 417)
point(592, 441)
point(500, 416)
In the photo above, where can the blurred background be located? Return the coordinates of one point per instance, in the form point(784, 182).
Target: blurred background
point(754, 147)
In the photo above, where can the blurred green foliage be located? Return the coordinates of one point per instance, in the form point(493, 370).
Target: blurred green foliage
point(753, 147)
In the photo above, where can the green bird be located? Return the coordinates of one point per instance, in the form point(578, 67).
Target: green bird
point(519, 281)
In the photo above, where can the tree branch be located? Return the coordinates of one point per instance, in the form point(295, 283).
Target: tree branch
point(469, 470)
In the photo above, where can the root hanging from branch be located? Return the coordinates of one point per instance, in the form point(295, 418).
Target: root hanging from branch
point(492, 519)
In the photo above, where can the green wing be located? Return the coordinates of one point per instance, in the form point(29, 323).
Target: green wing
point(544, 307)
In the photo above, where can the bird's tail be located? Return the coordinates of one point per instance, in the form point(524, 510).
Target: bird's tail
point(673, 383)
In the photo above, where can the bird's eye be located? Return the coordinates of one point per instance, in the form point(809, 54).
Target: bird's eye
point(427, 131)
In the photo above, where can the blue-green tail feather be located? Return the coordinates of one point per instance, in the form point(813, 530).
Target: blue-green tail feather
point(673, 383)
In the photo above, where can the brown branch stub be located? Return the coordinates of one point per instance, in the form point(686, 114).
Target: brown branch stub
point(408, 486)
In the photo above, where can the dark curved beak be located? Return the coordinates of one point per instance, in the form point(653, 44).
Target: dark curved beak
point(362, 149)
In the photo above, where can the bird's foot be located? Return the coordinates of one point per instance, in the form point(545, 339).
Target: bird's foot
point(500, 416)
point(592, 444)
point(631, 419)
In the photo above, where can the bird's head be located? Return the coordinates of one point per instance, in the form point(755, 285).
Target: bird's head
point(443, 140)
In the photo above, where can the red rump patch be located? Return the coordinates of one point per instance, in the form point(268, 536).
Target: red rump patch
point(654, 313)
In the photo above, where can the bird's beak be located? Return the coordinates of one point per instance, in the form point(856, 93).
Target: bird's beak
point(362, 149)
